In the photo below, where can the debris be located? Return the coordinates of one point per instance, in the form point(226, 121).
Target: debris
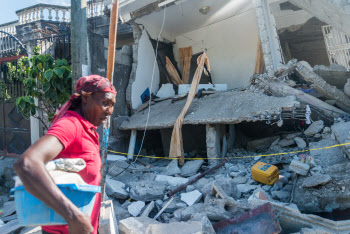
point(246, 188)
point(190, 227)
point(341, 132)
point(261, 144)
point(347, 88)
point(191, 197)
point(107, 221)
point(172, 181)
point(299, 167)
point(135, 225)
point(164, 207)
point(283, 196)
point(136, 207)
point(10, 227)
point(300, 142)
point(172, 168)
point(191, 167)
point(227, 184)
point(316, 180)
point(286, 142)
point(116, 189)
point(335, 74)
point(146, 190)
point(166, 91)
point(148, 209)
point(259, 220)
point(206, 224)
point(314, 128)
point(240, 180)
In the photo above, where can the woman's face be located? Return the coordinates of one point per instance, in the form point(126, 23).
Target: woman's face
point(98, 106)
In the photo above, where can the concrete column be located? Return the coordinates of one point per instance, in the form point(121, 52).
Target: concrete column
point(214, 134)
point(79, 40)
point(132, 144)
point(268, 37)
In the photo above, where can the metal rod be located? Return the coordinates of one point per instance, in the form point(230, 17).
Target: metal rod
point(169, 194)
point(164, 207)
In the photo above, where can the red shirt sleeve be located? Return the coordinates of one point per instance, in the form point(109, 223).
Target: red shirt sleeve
point(65, 130)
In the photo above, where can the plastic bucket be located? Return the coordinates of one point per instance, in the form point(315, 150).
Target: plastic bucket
point(33, 212)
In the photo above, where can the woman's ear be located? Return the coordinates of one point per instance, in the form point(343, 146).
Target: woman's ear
point(85, 98)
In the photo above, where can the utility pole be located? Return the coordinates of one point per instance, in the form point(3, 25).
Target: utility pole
point(79, 40)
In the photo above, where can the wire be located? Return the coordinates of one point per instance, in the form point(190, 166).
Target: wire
point(150, 99)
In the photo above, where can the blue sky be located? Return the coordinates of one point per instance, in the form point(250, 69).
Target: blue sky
point(7, 12)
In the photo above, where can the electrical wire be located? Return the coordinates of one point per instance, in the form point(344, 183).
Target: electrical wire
point(150, 99)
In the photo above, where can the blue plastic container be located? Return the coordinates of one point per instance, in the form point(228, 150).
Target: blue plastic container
point(33, 212)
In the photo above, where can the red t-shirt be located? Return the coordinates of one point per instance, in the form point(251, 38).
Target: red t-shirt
point(80, 140)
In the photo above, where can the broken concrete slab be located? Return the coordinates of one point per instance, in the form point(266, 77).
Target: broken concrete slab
point(341, 132)
point(135, 225)
point(240, 180)
point(299, 167)
point(215, 208)
point(300, 142)
point(316, 180)
point(286, 142)
point(260, 144)
point(206, 224)
point(314, 128)
point(226, 184)
point(190, 227)
point(136, 207)
point(148, 209)
point(116, 189)
point(283, 196)
point(334, 74)
point(167, 90)
point(172, 168)
point(322, 156)
point(107, 222)
point(184, 214)
point(191, 167)
point(147, 190)
point(172, 181)
point(246, 188)
point(304, 71)
point(191, 197)
point(234, 107)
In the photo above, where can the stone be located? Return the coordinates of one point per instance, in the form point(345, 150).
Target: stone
point(191, 197)
point(316, 180)
point(184, 214)
point(201, 183)
point(314, 128)
point(148, 209)
point(190, 188)
point(299, 167)
point(166, 90)
point(172, 181)
point(172, 168)
point(266, 188)
point(246, 188)
point(147, 190)
point(227, 184)
point(281, 195)
point(116, 189)
point(215, 209)
point(190, 227)
point(135, 225)
point(206, 224)
point(300, 142)
point(260, 144)
point(292, 136)
point(286, 142)
point(136, 207)
point(191, 167)
point(326, 130)
point(239, 180)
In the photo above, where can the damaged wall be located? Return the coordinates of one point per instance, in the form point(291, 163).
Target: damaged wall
point(228, 48)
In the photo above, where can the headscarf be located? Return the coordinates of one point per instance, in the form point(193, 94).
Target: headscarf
point(86, 85)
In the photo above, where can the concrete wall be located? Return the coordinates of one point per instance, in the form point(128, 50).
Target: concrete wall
point(231, 46)
point(144, 71)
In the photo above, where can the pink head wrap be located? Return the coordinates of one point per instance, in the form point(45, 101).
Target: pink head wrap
point(86, 85)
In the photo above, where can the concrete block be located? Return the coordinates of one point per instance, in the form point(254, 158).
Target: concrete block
point(316, 180)
point(167, 90)
point(206, 224)
point(147, 190)
point(116, 189)
point(246, 188)
point(136, 207)
point(107, 222)
point(191, 167)
point(172, 181)
point(172, 168)
point(135, 225)
point(286, 142)
point(191, 197)
point(300, 142)
point(299, 167)
point(314, 128)
point(191, 227)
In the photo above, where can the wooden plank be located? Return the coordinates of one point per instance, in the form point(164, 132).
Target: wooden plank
point(176, 144)
point(259, 61)
point(174, 75)
point(185, 56)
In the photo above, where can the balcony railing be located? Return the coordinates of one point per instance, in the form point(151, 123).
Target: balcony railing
point(9, 27)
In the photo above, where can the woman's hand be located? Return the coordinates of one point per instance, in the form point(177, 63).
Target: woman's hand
point(80, 224)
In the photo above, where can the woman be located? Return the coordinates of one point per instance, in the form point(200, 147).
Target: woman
point(72, 135)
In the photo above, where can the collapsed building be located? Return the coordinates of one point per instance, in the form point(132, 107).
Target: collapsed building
point(275, 90)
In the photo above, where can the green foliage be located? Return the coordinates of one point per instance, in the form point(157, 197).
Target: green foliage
point(45, 80)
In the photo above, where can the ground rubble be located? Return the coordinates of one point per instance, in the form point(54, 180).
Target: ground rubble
point(312, 180)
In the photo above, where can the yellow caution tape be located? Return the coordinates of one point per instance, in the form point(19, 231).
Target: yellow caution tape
point(253, 156)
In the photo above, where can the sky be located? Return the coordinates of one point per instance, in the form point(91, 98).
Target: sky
point(8, 11)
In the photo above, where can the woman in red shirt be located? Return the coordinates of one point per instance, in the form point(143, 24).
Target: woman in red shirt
point(72, 135)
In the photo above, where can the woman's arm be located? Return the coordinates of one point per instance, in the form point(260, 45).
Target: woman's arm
point(37, 181)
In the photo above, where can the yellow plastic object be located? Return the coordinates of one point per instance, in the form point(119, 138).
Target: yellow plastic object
point(265, 173)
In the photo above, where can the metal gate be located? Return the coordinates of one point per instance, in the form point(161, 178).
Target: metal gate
point(338, 46)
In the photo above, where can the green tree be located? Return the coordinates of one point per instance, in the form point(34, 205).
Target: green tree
point(45, 80)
